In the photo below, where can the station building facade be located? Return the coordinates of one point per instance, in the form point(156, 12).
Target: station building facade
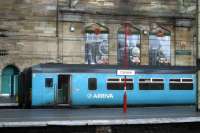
point(158, 33)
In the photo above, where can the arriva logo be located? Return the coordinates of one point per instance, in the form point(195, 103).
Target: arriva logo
point(100, 96)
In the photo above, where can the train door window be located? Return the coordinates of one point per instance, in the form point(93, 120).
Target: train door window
point(181, 84)
point(48, 82)
point(92, 83)
point(118, 84)
point(151, 84)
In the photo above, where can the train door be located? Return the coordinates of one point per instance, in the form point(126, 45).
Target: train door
point(44, 88)
point(63, 89)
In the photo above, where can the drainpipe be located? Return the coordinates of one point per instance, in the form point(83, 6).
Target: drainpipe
point(70, 3)
point(198, 54)
point(57, 34)
point(0, 80)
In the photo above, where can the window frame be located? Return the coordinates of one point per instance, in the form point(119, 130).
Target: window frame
point(166, 33)
point(48, 82)
point(134, 32)
point(119, 83)
point(181, 84)
point(151, 82)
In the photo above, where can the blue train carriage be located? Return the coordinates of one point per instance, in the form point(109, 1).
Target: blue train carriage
point(83, 85)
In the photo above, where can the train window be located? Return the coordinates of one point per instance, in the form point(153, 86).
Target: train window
point(113, 79)
point(181, 84)
point(118, 84)
point(187, 80)
point(151, 84)
point(49, 82)
point(92, 83)
point(175, 80)
point(127, 80)
point(157, 80)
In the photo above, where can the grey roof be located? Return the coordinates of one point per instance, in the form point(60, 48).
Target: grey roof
point(72, 68)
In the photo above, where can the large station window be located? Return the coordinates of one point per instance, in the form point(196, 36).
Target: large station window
point(118, 84)
point(159, 47)
point(96, 48)
point(133, 45)
point(181, 84)
point(151, 84)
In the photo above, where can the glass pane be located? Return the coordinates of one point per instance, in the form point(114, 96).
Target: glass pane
point(133, 48)
point(175, 80)
point(96, 48)
point(116, 84)
point(159, 50)
point(181, 86)
point(119, 86)
point(151, 86)
point(131, 80)
point(186, 80)
point(48, 82)
point(113, 79)
point(157, 80)
point(92, 83)
point(144, 80)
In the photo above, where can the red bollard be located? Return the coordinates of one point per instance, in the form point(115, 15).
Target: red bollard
point(125, 102)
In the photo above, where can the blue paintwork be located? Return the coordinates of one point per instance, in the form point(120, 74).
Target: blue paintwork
point(80, 95)
point(40, 94)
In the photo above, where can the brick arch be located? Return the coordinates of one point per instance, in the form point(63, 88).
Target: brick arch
point(92, 28)
point(16, 69)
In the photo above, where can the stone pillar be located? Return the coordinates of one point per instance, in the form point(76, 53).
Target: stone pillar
point(198, 55)
point(112, 46)
point(144, 49)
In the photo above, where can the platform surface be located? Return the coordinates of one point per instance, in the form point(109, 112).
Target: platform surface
point(97, 116)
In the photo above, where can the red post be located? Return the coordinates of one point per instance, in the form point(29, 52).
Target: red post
point(125, 65)
point(126, 47)
point(125, 97)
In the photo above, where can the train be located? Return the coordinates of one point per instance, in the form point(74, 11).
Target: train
point(54, 84)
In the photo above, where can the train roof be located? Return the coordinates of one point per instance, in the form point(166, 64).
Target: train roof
point(85, 68)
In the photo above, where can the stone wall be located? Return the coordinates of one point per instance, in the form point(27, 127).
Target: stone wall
point(136, 7)
point(182, 47)
point(28, 32)
point(28, 28)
